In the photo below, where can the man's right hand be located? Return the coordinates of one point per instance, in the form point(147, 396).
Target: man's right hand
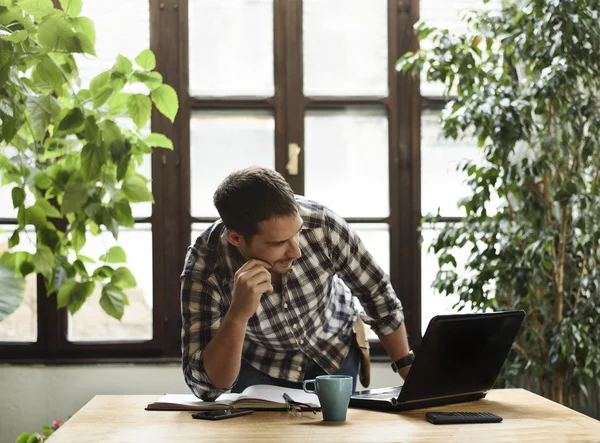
point(250, 282)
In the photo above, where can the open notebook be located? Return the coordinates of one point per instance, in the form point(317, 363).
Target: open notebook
point(253, 397)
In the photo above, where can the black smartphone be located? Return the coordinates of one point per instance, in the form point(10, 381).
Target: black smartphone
point(221, 414)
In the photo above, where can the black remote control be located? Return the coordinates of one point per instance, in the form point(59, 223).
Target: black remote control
point(447, 418)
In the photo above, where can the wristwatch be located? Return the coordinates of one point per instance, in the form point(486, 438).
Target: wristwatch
point(403, 362)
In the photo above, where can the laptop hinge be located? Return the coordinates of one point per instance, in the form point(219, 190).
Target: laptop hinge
point(462, 394)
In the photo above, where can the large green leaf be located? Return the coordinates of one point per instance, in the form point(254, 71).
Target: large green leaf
point(123, 278)
point(6, 107)
point(92, 159)
point(86, 33)
point(35, 216)
point(123, 65)
point(113, 301)
point(152, 80)
point(117, 104)
point(15, 37)
point(27, 438)
point(37, 8)
point(123, 213)
point(78, 239)
point(92, 131)
point(110, 222)
point(18, 196)
point(48, 209)
point(47, 75)
point(159, 140)
point(74, 294)
point(56, 34)
point(146, 60)
point(11, 291)
point(44, 260)
point(71, 7)
point(76, 195)
point(14, 239)
point(165, 99)
point(42, 110)
point(123, 168)
point(136, 189)
point(116, 254)
point(101, 88)
point(140, 109)
point(103, 272)
point(72, 122)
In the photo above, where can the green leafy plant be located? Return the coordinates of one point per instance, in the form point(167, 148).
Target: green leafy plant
point(38, 437)
point(524, 82)
point(68, 154)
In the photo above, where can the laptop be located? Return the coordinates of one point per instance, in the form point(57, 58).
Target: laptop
point(459, 360)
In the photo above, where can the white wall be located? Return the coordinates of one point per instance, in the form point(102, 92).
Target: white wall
point(32, 396)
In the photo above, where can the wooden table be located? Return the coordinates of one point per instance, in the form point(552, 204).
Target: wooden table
point(527, 418)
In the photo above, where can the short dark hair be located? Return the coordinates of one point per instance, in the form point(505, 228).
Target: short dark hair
point(247, 197)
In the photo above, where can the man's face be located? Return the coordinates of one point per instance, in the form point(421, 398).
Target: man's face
point(276, 242)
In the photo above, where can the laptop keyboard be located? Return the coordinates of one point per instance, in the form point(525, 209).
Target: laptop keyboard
point(379, 393)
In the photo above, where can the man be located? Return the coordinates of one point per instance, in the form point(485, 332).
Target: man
point(267, 292)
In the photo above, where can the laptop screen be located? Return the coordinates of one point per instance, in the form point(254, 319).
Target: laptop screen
point(461, 354)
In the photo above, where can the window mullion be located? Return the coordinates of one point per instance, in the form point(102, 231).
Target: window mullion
point(170, 172)
point(294, 98)
point(406, 258)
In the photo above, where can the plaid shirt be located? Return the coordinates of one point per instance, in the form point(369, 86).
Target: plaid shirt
point(310, 320)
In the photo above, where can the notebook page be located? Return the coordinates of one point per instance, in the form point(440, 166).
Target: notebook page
point(274, 394)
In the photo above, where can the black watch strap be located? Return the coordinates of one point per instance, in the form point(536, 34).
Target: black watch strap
point(403, 362)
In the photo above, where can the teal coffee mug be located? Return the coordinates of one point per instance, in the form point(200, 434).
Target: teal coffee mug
point(334, 393)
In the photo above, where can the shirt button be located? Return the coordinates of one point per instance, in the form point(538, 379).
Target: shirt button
point(285, 306)
point(301, 341)
point(299, 368)
point(295, 326)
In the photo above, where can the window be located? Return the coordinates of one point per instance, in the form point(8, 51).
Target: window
point(307, 87)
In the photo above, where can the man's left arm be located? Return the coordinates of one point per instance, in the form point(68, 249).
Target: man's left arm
point(371, 285)
point(396, 345)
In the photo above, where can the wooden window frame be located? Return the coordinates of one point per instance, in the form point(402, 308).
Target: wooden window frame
point(171, 218)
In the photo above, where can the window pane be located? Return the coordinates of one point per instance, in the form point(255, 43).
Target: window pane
point(6, 204)
point(442, 185)
point(346, 159)
point(222, 142)
point(345, 47)
point(122, 27)
point(21, 325)
point(91, 322)
point(376, 237)
point(447, 14)
point(433, 303)
point(231, 47)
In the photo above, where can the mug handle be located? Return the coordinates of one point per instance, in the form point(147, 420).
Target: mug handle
point(306, 382)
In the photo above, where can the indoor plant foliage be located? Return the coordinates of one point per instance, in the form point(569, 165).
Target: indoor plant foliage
point(37, 437)
point(524, 81)
point(72, 168)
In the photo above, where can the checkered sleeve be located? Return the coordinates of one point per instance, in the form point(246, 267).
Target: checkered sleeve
point(363, 275)
point(201, 317)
